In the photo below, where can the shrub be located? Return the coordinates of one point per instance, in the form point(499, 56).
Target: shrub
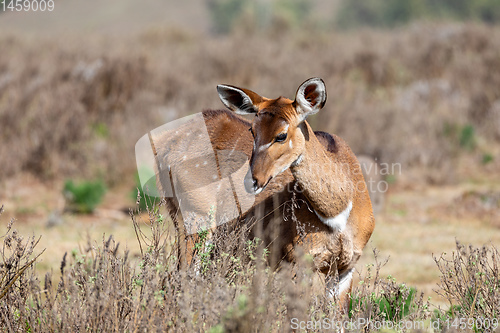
point(15, 259)
point(380, 300)
point(467, 137)
point(450, 78)
point(104, 289)
point(394, 304)
point(487, 10)
point(487, 158)
point(83, 197)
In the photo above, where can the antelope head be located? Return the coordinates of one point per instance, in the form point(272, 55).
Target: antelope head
point(278, 128)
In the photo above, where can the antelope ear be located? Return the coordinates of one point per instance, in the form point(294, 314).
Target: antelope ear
point(310, 97)
point(241, 101)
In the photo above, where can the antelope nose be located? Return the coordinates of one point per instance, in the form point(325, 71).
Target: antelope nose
point(250, 183)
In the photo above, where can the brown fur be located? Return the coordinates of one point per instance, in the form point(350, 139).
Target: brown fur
point(374, 181)
point(333, 252)
point(330, 179)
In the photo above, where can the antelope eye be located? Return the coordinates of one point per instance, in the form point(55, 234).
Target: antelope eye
point(281, 137)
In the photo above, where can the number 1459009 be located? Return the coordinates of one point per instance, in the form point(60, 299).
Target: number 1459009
point(27, 5)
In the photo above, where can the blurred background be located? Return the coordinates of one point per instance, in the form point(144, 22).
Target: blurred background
point(413, 84)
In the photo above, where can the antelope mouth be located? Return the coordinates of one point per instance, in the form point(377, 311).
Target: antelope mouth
point(265, 185)
point(260, 189)
point(251, 185)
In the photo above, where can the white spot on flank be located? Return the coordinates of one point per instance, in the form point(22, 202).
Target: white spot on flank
point(197, 165)
point(337, 222)
point(205, 163)
point(214, 176)
point(184, 157)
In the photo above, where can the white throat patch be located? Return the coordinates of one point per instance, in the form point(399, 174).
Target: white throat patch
point(338, 222)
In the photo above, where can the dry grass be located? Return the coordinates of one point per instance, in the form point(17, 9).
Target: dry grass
point(470, 280)
point(420, 223)
point(101, 98)
point(227, 288)
point(414, 225)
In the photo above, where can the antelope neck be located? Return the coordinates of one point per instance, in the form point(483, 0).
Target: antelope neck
point(324, 181)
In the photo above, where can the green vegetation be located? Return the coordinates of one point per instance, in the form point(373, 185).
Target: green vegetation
point(393, 305)
point(101, 130)
point(463, 136)
point(467, 137)
point(487, 158)
point(386, 299)
point(470, 280)
point(204, 248)
point(83, 197)
point(226, 15)
point(378, 13)
point(397, 305)
point(390, 13)
point(143, 200)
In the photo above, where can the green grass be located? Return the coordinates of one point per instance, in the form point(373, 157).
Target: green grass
point(83, 197)
point(143, 200)
point(467, 137)
point(487, 158)
point(391, 304)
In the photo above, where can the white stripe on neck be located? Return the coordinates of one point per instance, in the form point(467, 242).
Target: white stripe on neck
point(338, 222)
